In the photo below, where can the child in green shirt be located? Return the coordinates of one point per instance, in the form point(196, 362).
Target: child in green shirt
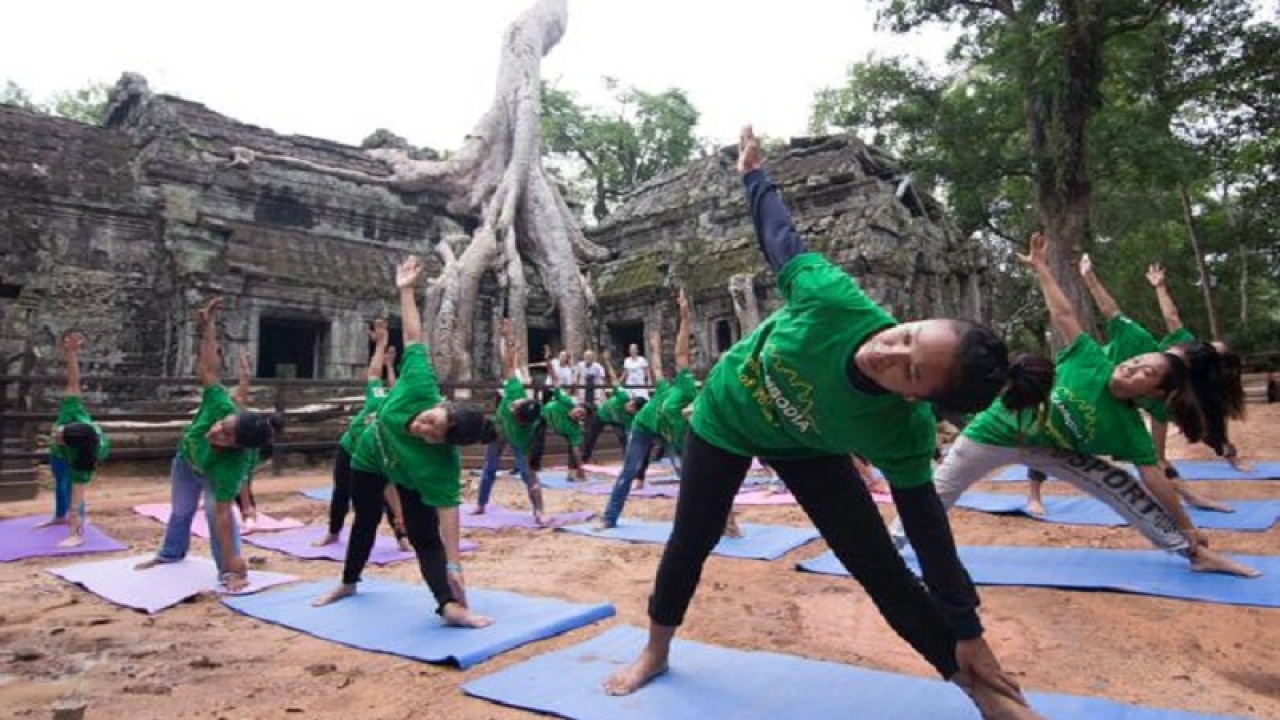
point(413, 443)
point(213, 458)
point(829, 374)
point(77, 446)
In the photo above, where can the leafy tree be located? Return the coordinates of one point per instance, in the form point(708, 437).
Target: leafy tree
point(640, 136)
point(87, 104)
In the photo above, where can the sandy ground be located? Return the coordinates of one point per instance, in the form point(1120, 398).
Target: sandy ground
point(200, 660)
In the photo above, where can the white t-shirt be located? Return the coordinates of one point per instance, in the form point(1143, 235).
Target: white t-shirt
point(595, 372)
point(635, 372)
point(563, 373)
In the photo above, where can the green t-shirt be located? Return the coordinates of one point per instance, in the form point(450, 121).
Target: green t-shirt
point(1083, 414)
point(517, 433)
point(1177, 337)
point(647, 418)
point(671, 421)
point(1127, 339)
point(614, 408)
point(783, 391)
point(374, 395)
point(72, 410)
point(225, 468)
point(556, 414)
point(434, 471)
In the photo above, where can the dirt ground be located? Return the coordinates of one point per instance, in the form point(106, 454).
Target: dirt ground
point(200, 660)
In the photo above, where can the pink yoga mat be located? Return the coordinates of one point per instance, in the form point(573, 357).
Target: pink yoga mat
point(21, 539)
point(496, 517)
point(669, 490)
point(159, 587)
point(200, 525)
point(759, 497)
point(298, 544)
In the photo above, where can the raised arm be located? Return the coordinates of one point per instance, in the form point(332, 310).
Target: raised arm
point(406, 282)
point(390, 363)
point(510, 351)
point(1061, 313)
point(614, 380)
point(242, 387)
point(775, 232)
point(1155, 276)
point(209, 366)
point(682, 333)
point(71, 345)
point(379, 337)
point(1106, 304)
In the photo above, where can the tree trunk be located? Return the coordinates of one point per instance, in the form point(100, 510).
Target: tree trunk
point(497, 176)
point(745, 305)
point(1205, 285)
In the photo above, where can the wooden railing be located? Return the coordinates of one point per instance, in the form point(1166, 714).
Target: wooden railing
point(145, 417)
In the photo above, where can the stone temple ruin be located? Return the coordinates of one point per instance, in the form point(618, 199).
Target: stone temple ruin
point(120, 230)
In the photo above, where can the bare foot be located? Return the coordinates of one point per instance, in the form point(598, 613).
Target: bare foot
point(731, 529)
point(1204, 503)
point(602, 525)
point(1036, 507)
point(637, 485)
point(53, 521)
point(326, 540)
point(148, 564)
point(342, 591)
point(1211, 561)
point(579, 475)
point(71, 541)
point(636, 675)
point(404, 545)
point(538, 519)
point(457, 616)
point(235, 582)
point(477, 510)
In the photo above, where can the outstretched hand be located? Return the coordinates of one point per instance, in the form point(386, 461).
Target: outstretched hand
point(750, 156)
point(379, 332)
point(507, 329)
point(682, 300)
point(1086, 265)
point(1037, 256)
point(72, 343)
point(210, 308)
point(408, 272)
point(244, 362)
point(1155, 275)
point(978, 665)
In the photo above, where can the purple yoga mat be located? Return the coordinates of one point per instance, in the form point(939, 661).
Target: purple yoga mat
point(159, 587)
point(21, 539)
point(496, 517)
point(649, 490)
point(200, 524)
point(298, 544)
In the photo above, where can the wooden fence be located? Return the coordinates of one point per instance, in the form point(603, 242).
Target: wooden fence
point(145, 418)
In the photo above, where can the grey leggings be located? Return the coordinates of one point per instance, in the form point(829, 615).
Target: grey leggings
point(968, 462)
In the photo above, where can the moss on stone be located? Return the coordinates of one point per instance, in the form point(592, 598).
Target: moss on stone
point(631, 274)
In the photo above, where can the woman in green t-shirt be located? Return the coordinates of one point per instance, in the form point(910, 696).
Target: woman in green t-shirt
point(342, 497)
point(1127, 339)
point(518, 416)
point(213, 458)
point(828, 374)
point(413, 443)
point(1092, 411)
point(77, 445)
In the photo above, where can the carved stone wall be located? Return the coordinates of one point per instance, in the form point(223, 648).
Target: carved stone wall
point(120, 231)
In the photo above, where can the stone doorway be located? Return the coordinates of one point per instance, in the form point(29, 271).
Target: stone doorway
point(291, 348)
point(623, 336)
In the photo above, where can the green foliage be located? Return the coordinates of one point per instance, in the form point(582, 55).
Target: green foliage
point(1178, 93)
point(87, 104)
point(641, 135)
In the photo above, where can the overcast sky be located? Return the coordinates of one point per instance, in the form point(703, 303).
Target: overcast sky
point(426, 69)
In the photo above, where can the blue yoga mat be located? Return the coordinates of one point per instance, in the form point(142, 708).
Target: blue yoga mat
point(706, 681)
point(759, 542)
point(1188, 469)
point(1252, 515)
point(1142, 572)
point(397, 618)
point(324, 494)
point(559, 480)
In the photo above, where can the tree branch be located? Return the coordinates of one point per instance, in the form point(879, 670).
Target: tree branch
point(1137, 23)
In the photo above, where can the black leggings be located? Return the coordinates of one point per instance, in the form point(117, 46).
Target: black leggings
point(837, 501)
point(538, 446)
point(340, 502)
point(595, 426)
point(421, 522)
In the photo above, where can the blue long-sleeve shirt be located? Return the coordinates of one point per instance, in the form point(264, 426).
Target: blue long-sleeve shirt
point(923, 515)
